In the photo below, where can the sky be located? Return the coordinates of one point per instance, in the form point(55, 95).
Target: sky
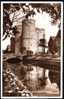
point(44, 21)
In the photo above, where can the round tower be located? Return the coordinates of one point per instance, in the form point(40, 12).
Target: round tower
point(29, 35)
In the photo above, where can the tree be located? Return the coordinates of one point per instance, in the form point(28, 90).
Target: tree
point(53, 9)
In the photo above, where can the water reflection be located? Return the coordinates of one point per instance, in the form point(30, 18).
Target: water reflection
point(28, 76)
point(31, 76)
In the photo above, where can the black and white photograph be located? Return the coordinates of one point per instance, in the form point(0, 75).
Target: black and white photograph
point(31, 49)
